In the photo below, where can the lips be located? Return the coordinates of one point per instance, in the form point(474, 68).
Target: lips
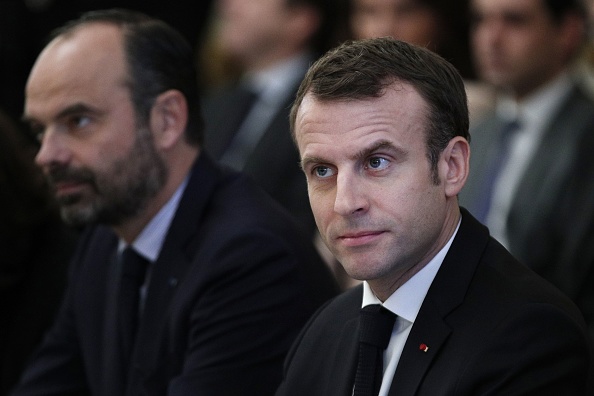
point(67, 188)
point(68, 183)
point(360, 238)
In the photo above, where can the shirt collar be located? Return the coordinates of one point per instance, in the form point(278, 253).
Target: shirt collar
point(276, 81)
point(406, 301)
point(539, 107)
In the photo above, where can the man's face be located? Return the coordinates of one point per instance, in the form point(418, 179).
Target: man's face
point(406, 20)
point(102, 167)
point(516, 44)
point(370, 182)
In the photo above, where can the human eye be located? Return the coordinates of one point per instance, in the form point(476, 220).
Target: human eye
point(323, 172)
point(377, 163)
point(79, 121)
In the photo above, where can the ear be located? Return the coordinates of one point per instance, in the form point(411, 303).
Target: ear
point(169, 118)
point(455, 160)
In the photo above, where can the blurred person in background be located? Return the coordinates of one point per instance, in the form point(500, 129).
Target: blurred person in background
point(271, 43)
point(530, 155)
point(440, 25)
point(257, 53)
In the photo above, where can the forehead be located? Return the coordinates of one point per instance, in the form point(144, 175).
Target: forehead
point(87, 62)
point(400, 113)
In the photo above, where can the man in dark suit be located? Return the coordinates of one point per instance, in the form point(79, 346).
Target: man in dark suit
point(382, 131)
point(529, 203)
point(224, 279)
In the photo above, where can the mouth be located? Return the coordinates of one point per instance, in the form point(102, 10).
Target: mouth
point(64, 189)
point(360, 238)
point(69, 182)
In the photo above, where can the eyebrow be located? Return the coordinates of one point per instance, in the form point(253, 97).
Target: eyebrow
point(308, 160)
point(73, 109)
point(381, 144)
point(77, 108)
point(363, 153)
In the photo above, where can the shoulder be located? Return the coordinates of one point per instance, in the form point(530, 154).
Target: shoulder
point(330, 320)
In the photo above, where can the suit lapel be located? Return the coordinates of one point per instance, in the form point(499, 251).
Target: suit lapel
point(102, 252)
point(445, 294)
point(548, 171)
point(344, 363)
point(429, 331)
point(172, 264)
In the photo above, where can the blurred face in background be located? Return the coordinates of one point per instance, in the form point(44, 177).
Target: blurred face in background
point(406, 20)
point(259, 32)
point(518, 46)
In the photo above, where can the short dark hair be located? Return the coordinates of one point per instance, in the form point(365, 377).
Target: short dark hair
point(159, 58)
point(364, 69)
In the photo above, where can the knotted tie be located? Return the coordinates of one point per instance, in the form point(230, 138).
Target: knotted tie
point(133, 270)
point(376, 324)
point(493, 170)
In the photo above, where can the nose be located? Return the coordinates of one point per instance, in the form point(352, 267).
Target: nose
point(53, 150)
point(350, 195)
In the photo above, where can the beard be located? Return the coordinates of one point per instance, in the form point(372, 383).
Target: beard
point(117, 193)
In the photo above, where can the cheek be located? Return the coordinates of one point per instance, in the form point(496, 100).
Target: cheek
point(412, 197)
point(322, 205)
point(479, 43)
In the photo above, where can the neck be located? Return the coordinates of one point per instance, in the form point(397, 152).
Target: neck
point(180, 165)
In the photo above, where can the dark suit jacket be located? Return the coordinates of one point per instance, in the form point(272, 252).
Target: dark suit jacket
point(274, 162)
point(492, 326)
point(549, 219)
point(232, 286)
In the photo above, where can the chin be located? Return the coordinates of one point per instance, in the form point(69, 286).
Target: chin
point(78, 215)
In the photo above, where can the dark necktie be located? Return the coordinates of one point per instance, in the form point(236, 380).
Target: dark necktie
point(493, 170)
point(376, 324)
point(122, 301)
point(133, 270)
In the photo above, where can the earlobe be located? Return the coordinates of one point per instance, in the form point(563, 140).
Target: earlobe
point(169, 117)
point(456, 156)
